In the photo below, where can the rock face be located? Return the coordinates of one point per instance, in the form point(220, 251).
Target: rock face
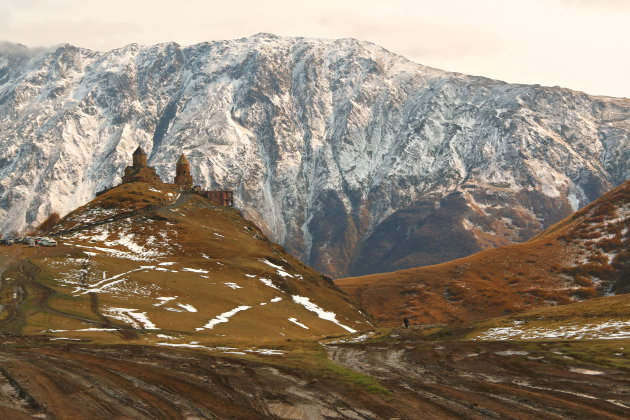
point(355, 159)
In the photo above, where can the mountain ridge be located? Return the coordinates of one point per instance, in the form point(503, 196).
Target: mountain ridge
point(321, 140)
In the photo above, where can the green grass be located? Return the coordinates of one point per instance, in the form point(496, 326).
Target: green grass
point(311, 357)
point(350, 376)
point(607, 354)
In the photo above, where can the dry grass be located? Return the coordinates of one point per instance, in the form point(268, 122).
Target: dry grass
point(562, 321)
point(213, 261)
point(557, 267)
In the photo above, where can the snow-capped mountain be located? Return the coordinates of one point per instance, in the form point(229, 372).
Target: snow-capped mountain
point(353, 158)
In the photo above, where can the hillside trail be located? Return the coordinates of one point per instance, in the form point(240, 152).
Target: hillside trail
point(479, 380)
point(23, 284)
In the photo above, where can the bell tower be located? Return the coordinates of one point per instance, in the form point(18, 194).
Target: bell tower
point(182, 173)
point(139, 158)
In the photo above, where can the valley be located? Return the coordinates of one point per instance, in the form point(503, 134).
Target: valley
point(584, 256)
point(491, 219)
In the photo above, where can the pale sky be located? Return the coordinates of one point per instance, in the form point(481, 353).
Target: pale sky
point(578, 44)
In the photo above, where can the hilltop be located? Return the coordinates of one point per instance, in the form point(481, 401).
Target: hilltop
point(583, 256)
point(155, 265)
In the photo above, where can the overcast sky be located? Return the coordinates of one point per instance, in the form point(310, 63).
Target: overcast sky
point(579, 44)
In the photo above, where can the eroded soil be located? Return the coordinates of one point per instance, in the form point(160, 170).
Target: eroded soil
point(491, 379)
point(79, 381)
point(424, 379)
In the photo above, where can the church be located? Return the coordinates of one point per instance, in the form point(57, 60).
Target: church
point(140, 171)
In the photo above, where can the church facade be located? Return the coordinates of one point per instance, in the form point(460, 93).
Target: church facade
point(140, 171)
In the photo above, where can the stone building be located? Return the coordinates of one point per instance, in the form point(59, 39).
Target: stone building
point(140, 171)
point(183, 178)
point(222, 197)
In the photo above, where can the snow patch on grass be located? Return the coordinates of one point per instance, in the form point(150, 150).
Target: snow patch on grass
point(359, 339)
point(268, 282)
point(184, 345)
point(328, 316)
point(163, 300)
point(265, 352)
point(188, 307)
point(284, 274)
point(298, 323)
point(91, 329)
point(613, 329)
point(132, 317)
point(270, 264)
point(224, 317)
point(586, 371)
point(196, 270)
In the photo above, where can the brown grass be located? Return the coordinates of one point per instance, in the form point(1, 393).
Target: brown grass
point(195, 234)
point(505, 280)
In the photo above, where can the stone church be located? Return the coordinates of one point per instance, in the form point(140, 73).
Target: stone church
point(140, 171)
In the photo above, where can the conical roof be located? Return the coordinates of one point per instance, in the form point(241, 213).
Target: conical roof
point(139, 151)
point(182, 160)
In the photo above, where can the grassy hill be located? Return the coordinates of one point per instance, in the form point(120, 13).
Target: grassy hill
point(584, 256)
point(159, 304)
point(157, 266)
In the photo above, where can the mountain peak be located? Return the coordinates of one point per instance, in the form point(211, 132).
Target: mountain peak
point(330, 150)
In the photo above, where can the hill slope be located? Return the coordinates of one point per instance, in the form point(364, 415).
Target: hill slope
point(342, 152)
point(156, 266)
point(134, 316)
point(585, 255)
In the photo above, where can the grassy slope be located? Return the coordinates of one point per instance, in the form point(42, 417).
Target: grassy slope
point(578, 258)
point(206, 259)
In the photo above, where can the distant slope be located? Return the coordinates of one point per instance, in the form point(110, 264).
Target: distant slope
point(152, 265)
point(600, 318)
point(353, 158)
point(583, 256)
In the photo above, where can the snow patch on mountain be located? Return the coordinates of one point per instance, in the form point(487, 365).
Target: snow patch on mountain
point(321, 140)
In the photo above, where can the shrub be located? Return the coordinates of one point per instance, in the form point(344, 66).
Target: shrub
point(583, 280)
point(611, 244)
point(50, 221)
point(585, 293)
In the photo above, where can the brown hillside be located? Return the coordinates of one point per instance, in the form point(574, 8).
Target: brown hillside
point(583, 256)
point(153, 265)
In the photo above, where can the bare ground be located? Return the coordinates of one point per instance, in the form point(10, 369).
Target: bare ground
point(425, 380)
point(490, 379)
